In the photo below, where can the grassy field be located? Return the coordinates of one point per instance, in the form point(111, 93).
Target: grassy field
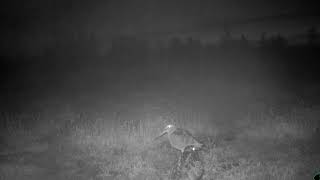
point(80, 110)
point(61, 142)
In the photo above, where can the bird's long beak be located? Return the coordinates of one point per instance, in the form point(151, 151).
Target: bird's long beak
point(163, 133)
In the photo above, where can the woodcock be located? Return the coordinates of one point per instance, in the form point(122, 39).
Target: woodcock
point(180, 138)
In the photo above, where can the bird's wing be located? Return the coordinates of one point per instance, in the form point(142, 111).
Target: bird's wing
point(182, 132)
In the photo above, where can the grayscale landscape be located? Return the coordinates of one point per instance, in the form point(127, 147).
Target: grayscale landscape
point(86, 87)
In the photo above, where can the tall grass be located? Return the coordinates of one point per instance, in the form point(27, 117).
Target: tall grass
point(126, 147)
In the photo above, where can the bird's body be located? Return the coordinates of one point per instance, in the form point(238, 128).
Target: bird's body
point(180, 138)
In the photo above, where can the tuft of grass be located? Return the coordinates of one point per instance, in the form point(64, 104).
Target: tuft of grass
point(298, 123)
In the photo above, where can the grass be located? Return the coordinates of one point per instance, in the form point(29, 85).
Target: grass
point(65, 144)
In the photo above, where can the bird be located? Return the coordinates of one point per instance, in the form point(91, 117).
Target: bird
point(183, 140)
point(180, 138)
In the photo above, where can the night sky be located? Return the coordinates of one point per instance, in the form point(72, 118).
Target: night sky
point(37, 22)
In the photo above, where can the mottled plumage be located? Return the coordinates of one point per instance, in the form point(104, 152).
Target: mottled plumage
point(180, 138)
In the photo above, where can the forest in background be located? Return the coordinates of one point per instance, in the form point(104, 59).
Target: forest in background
point(81, 65)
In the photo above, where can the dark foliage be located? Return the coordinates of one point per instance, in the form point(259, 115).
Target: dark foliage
point(76, 65)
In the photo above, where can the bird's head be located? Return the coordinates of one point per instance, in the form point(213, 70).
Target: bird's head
point(167, 130)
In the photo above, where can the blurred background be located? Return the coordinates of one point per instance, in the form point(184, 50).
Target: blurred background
point(86, 85)
point(207, 55)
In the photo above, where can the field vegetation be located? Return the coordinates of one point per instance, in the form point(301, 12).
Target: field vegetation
point(84, 115)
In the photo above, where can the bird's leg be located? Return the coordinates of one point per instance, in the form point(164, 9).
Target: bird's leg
point(187, 159)
point(179, 161)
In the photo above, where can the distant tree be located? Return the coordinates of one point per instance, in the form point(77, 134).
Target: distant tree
point(193, 43)
point(189, 41)
point(279, 41)
point(128, 42)
point(263, 39)
point(175, 42)
point(226, 37)
point(227, 33)
point(312, 35)
point(244, 40)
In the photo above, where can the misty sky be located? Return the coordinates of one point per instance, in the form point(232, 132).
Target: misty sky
point(37, 20)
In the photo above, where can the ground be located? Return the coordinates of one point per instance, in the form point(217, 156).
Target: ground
point(70, 147)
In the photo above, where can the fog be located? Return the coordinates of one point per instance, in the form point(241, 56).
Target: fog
point(86, 87)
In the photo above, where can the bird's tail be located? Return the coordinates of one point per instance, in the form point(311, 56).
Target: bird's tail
point(205, 148)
